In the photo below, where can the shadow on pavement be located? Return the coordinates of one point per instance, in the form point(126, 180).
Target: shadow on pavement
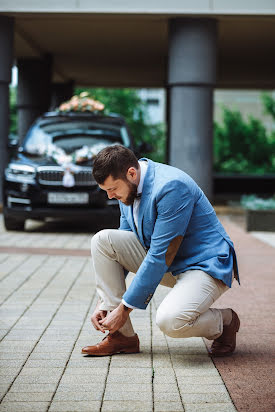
point(65, 226)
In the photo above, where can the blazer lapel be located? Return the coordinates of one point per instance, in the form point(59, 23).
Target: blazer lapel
point(146, 191)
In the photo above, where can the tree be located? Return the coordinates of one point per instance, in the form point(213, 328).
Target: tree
point(13, 111)
point(127, 103)
point(269, 104)
point(242, 146)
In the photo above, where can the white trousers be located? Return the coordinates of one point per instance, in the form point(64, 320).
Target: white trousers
point(183, 313)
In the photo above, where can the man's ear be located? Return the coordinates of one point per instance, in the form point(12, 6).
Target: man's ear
point(131, 174)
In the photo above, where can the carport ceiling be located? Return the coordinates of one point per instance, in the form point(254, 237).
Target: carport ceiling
point(120, 50)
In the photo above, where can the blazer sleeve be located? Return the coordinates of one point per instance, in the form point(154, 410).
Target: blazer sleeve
point(124, 225)
point(174, 208)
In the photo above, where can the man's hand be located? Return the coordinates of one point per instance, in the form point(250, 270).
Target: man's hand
point(115, 319)
point(97, 316)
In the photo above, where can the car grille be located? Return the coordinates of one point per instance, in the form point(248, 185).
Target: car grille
point(53, 175)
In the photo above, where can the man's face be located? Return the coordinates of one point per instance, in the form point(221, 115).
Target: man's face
point(123, 190)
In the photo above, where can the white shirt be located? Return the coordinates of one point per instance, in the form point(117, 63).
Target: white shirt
point(143, 169)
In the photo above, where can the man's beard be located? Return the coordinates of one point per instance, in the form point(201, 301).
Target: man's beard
point(132, 193)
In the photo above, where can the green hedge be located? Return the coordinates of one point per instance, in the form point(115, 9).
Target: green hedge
point(243, 146)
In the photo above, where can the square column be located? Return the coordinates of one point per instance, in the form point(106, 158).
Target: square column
point(33, 92)
point(6, 59)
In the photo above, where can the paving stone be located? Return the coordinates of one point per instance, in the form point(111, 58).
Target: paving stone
point(134, 379)
point(25, 322)
point(79, 395)
point(168, 406)
point(49, 363)
point(24, 406)
point(212, 407)
point(165, 387)
point(37, 379)
point(60, 346)
point(183, 364)
point(70, 339)
point(48, 351)
point(129, 387)
point(29, 397)
point(187, 350)
point(162, 361)
point(16, 346)
point(49, 356)
point(167, 396)
point(6, 363)
point(23, 337)
point(80, 379)
point(91, 406)
point(126, 406)
point(13, 355)
point(192, 360)
point(200, 388)
point(9, 371)
point(111, 395)
point(87, 371)
point(6, 379)
point(3, 332)
point(161, 350)
point(88, 361)
point(128, 372)
point(32, 387)
point(182, 372)
point(26, 371)
point(4, 387)
point(121, 362)
point(160, 379)
point(84, 387)
point(203, 380)
point(205, 397)
point(158, 371)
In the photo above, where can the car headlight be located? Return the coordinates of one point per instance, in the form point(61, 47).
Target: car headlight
point(20, 173)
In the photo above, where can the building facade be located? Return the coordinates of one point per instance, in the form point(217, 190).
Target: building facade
point(186, 48)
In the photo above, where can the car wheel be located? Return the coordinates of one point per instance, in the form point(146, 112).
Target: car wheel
point(13, 224)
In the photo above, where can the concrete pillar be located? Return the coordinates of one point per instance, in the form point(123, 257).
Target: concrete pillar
point(60, 93)
point(191, 79)
point(6, 60)
point(33, 91)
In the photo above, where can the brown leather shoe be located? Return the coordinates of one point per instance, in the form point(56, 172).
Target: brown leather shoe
point(226, 343)
point(113, 343)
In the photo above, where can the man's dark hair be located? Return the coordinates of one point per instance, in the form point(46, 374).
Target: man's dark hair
point(113, 161)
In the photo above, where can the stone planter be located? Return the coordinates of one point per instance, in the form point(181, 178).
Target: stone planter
point(260, 220)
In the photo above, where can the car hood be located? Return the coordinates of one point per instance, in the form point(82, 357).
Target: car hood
point(35, 161)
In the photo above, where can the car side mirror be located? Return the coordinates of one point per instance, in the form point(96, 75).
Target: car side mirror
point(13, 144)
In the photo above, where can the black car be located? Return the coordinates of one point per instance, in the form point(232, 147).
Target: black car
point(50, 175)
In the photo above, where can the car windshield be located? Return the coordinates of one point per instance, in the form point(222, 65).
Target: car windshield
point(71, 135)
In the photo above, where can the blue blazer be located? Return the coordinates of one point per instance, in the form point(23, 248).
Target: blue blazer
point(180, 230)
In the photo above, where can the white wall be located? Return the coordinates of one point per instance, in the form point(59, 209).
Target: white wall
point(155, 102)
point(174, 7)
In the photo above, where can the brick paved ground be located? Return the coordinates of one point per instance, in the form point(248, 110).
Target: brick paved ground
point(250, 374)
point(46, 301)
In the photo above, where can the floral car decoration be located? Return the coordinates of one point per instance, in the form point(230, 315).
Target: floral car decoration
point(69, 162)
point(82, 103)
